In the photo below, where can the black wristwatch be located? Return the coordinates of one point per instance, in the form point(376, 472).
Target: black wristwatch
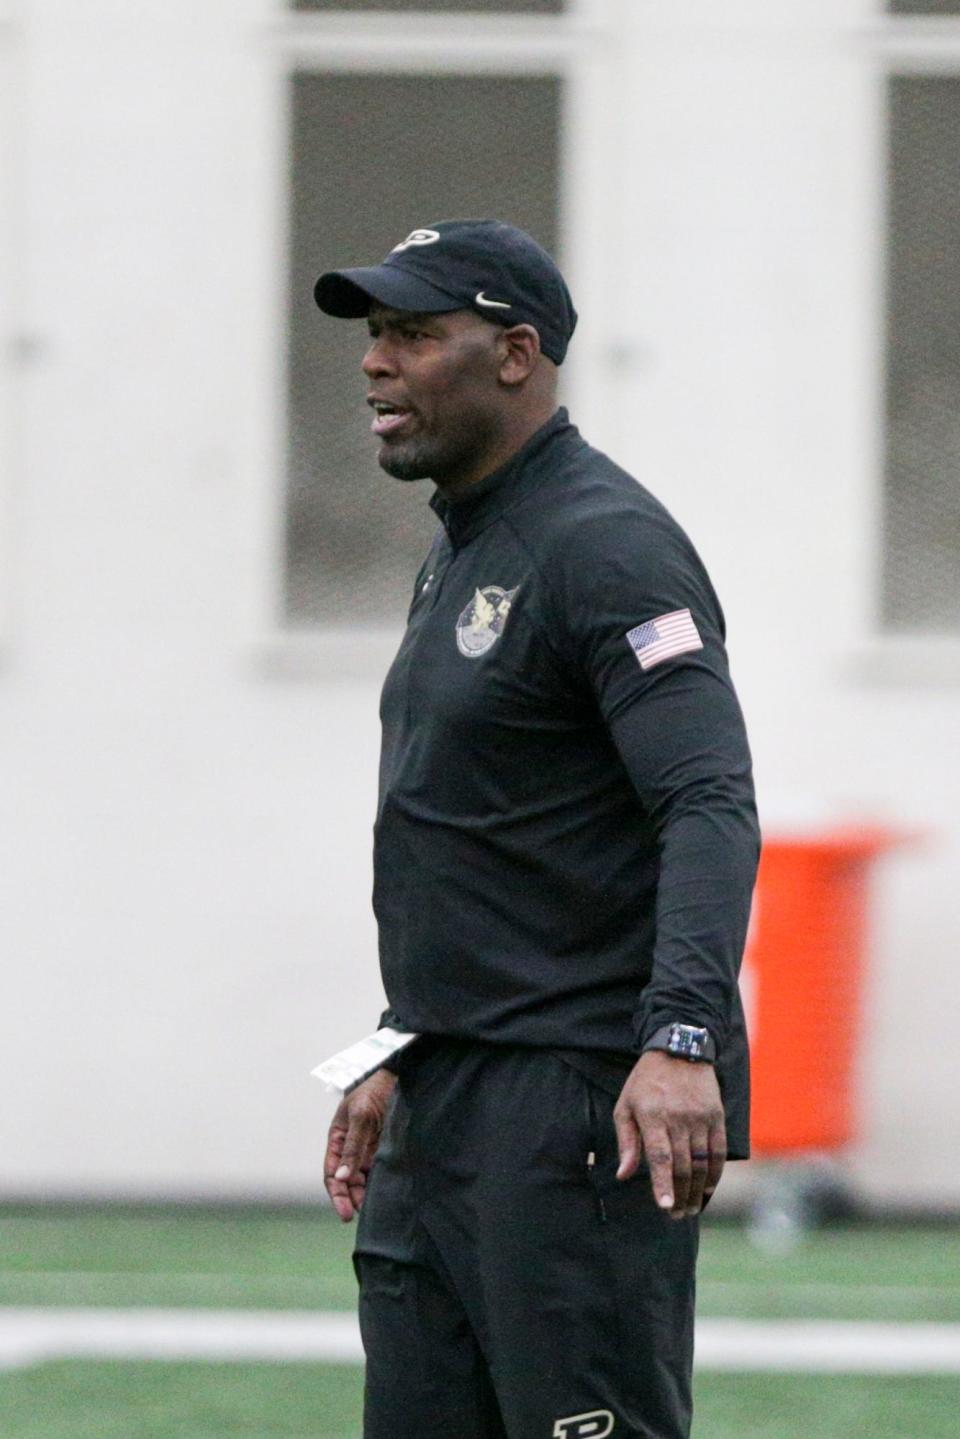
point(684, 1041)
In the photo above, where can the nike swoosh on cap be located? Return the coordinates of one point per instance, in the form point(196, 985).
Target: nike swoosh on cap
point(481, 299)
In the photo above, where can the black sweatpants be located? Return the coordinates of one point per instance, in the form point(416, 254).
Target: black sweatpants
point(510, 1288)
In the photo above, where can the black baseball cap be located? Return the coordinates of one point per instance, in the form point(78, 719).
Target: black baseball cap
point(483, 265)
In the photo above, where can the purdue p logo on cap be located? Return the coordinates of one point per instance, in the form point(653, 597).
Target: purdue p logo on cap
point(417, 237)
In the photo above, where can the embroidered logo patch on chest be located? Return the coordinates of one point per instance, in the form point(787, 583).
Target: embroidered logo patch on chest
point(481, 624)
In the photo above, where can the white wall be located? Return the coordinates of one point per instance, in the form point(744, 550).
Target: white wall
point(185, 836)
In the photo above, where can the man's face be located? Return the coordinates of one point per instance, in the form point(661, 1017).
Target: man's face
point(434, 386)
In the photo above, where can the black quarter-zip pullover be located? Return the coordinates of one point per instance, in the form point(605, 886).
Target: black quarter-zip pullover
point(566, 841)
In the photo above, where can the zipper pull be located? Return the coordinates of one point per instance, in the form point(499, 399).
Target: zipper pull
point(601, 1207)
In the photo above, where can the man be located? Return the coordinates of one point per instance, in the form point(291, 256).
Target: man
point(565, 848)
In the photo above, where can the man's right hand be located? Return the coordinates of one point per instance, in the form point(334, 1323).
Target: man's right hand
point(352, 1142)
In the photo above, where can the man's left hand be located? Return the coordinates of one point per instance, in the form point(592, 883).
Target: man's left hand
point(670, 1111)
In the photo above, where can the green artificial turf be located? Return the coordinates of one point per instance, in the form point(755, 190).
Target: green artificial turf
point(790, 1406)
point(291, 1401)
point(297, 1259)
point(301, 1259)
point(855, 1271)
point(181, 1401)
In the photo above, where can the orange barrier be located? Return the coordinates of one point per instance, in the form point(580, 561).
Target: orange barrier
point(804, 967)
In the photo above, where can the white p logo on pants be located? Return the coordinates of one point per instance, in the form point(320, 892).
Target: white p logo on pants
point(595, 1425)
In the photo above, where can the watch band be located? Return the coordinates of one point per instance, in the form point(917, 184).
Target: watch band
point(684, 1041)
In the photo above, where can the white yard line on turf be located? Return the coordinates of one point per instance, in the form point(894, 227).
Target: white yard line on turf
point(826, 1346)
point(28, 1336)
point(131, 1289)
point(814, 1288)
point(136, 1282)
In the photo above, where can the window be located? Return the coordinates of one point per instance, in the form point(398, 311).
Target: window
point(373, 156)
point(921, 567)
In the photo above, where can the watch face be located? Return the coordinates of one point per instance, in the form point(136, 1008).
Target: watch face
point(687, 1041)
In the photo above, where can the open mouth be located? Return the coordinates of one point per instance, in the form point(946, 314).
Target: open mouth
point(388, 419)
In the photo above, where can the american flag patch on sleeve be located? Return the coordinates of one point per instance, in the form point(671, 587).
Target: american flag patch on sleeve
point(664, 637)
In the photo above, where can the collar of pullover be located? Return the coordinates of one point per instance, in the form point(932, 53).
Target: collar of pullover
point(484, 502)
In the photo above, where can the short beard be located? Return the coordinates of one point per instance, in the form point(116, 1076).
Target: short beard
point(434, 461)
point(404, 467)
point(423, 462)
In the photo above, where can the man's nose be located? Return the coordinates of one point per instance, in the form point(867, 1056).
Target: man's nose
point(377, 361)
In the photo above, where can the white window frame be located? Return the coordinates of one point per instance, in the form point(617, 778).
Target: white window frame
point(899, 45)
point(577, 46)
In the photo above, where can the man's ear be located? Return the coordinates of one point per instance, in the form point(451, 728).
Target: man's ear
point(519, 347)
